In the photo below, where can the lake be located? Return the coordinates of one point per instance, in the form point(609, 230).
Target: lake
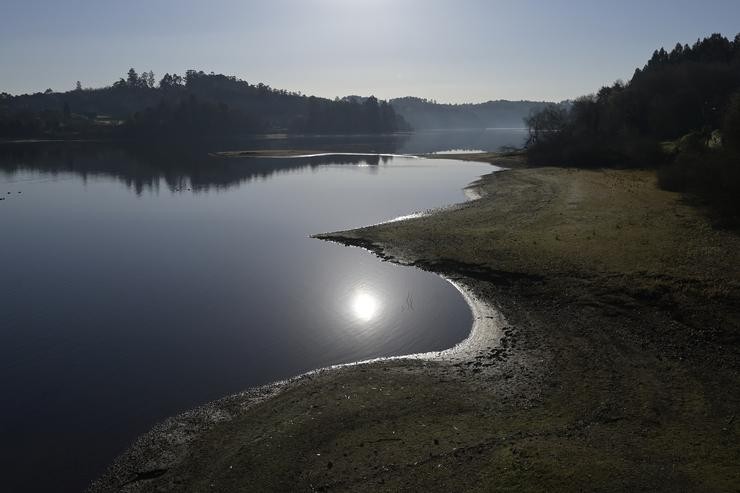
point(138, 282)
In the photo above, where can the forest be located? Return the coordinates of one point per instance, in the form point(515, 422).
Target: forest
point(680, 113)
point(190, 106)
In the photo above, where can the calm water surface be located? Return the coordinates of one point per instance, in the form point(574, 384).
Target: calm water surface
point(136, 285)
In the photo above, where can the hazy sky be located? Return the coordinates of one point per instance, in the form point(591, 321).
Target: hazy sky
point(449, 50)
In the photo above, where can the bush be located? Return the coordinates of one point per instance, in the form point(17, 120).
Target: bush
point(711, 176)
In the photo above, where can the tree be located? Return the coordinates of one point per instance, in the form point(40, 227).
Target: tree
point(677, 52)
point(66, 111)
point(148, 78)
point(78, 86)
point(132, 80)
point(166, 82)
point(191, 76)
point(546, 123)
point(170, 81)
point(372, 114)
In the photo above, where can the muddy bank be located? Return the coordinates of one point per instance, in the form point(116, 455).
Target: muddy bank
point(611, 361)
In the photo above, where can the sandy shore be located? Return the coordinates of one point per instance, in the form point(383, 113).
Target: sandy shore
point(605, 356)
point(293, 153)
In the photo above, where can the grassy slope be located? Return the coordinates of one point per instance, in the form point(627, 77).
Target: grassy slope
point(613, 228)
point(619, 372)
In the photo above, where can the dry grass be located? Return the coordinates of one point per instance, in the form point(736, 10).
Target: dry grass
point(620, 370)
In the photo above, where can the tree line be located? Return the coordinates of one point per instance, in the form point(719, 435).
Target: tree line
point(679, 113)
point(194, 104)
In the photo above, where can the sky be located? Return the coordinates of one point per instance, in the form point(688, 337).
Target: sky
point(448, 50)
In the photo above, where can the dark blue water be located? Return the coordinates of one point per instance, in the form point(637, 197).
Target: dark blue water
point(137, 284)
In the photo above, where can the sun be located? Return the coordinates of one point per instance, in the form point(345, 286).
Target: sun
point(364, 306)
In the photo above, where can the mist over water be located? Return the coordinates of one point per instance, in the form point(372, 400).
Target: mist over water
point(420, 142)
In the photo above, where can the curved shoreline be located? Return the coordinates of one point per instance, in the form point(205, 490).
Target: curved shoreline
point(166, 443)
point(293, 154)
point(619, 372)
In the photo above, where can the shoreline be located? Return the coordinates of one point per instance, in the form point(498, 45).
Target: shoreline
point(156, 451)
point(614, 368)
point(296, 154)
point(165, 445)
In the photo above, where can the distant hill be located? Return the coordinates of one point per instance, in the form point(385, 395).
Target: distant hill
point(426, 114)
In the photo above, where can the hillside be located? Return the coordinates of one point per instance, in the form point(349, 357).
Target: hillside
point(426, 114)
point(197, 104)
point(680, 113)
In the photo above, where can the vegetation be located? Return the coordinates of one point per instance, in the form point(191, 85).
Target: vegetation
point(428, 114)
point(681, 113)
point(194, 105)
point(349, 116)
point(189, 118)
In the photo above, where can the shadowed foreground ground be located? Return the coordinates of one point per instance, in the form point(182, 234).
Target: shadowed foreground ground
point(617, 369)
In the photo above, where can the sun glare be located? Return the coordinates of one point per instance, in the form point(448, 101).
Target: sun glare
point(364, 306)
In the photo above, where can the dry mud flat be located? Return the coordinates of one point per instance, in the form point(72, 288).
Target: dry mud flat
point(606, 357)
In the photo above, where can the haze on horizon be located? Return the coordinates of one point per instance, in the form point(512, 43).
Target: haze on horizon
point(451, 51)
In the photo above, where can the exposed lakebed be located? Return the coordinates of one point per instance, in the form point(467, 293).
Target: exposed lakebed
point(137, 283)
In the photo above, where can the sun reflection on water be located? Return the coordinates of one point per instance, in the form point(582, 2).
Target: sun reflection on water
point(365, 306)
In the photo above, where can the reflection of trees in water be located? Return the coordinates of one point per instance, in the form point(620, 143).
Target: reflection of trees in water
point(183, 167)
point(146, 168)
